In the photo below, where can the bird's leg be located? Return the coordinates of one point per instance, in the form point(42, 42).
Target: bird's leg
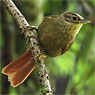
point(30, 28)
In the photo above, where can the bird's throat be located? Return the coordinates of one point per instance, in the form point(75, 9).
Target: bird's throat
point(75, 31)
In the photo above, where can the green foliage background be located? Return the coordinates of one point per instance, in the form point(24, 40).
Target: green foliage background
point(70, 74)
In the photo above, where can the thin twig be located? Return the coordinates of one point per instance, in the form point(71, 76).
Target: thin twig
point(36, 52)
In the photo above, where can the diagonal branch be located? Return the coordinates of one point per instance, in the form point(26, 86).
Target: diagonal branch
point(36, 52)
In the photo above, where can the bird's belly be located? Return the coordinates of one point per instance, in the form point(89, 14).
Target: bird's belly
point(52, 45)
point(52, 40)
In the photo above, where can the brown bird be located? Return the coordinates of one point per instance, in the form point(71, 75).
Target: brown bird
point(55, 36)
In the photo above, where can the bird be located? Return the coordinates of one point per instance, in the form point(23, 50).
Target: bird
point(55, 36)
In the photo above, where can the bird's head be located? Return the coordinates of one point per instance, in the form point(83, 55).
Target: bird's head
point(74, 18)
point(73, 21)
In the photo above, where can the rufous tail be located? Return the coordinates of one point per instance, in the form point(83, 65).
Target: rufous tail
point(19, 69)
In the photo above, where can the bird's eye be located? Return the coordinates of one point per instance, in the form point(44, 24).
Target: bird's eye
point(74, 18)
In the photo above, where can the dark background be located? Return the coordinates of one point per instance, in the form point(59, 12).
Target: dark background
point(70, 74)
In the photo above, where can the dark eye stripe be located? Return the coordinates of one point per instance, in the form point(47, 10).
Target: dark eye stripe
point(66, 16)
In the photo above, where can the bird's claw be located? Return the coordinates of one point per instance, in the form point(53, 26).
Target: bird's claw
point(29, 28)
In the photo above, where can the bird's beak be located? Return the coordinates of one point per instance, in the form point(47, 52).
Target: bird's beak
point(85, 21)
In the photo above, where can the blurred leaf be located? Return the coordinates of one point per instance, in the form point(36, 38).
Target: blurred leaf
point(72, 6)
point(12, 91)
